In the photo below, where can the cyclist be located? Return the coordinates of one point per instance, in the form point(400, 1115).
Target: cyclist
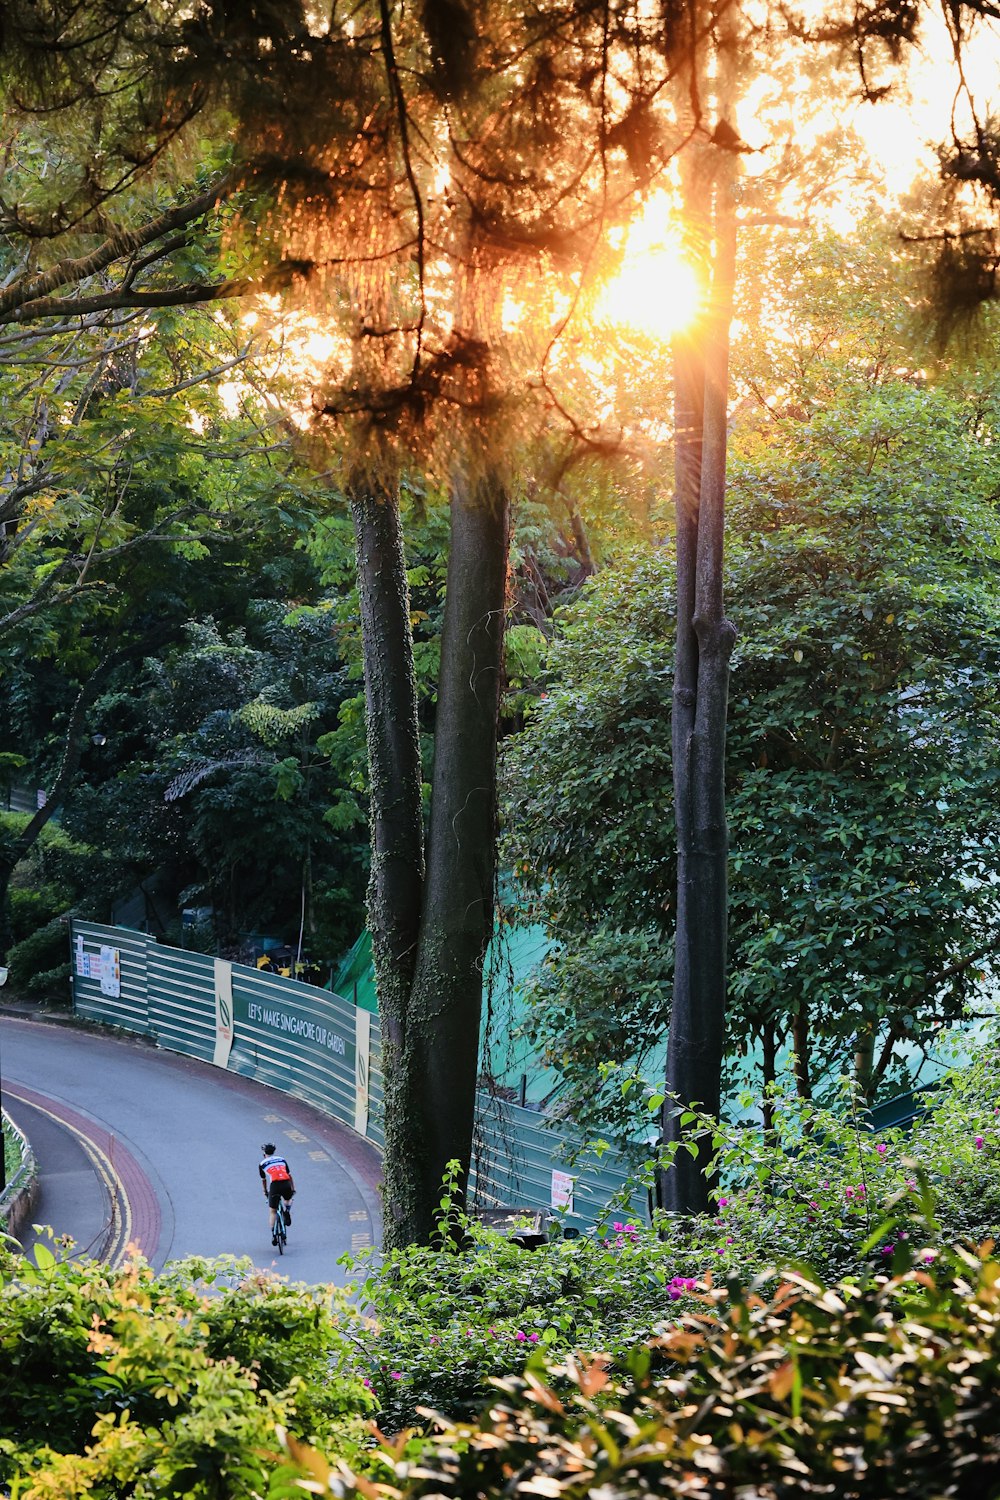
point(276, 1176)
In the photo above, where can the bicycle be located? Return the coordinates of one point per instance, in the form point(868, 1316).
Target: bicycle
point(281, 1226)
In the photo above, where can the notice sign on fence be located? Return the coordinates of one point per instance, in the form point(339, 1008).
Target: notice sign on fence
point(562, 1191)
point(111, 972)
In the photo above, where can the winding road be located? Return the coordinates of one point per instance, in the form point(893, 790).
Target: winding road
point(142, 1147)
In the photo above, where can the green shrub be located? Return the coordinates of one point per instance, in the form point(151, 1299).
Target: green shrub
point(39, 964)
point(31, 907)
point(118, 1381)
point(849, 1393)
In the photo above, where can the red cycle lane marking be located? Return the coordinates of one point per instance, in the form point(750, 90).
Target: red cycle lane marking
point(140, 1197)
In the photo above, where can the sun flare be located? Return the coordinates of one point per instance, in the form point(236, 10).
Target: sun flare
point(655, 290)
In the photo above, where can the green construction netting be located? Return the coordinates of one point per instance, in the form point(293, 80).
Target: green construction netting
point(508, 1058)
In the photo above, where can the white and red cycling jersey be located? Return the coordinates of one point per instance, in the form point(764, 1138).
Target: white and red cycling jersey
point(276, 1175)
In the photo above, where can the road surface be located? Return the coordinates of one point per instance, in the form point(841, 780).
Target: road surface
point(138, 1146)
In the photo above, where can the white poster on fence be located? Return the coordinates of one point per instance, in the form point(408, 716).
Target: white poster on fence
point(111, 972)
point(223, 1012)
point(362, 1060)
point(562, 1190)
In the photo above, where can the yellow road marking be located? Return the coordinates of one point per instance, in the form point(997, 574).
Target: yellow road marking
point(296, 1135)
point(104, 1168)
point(318, 1156)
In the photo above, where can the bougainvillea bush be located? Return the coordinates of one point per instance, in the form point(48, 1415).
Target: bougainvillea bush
point(870, 1392)
point(821, 1191)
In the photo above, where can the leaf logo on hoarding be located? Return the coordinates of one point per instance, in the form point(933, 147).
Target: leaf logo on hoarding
point(225, 1014)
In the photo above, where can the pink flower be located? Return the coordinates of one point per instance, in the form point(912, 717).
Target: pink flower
point(848, 1192)
point(979, 1143)
point(396, 1374)
point(521, 1337)
point(366, 1382)
point(929, 1257)
point(532, 1338)
point(881, 1148)
point(723, 1202)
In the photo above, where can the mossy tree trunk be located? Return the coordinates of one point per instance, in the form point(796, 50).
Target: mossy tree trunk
point(457, 919)
point(430, 931)
point(395, 889)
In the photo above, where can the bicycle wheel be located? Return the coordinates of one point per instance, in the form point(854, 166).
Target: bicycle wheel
point(279, 1230)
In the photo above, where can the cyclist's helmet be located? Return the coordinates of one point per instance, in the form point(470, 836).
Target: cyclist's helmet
point(268, 1148)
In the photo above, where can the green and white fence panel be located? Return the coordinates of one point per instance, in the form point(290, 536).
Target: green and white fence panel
point(182, 1000)
point(524, 1160)
point(108, 966)
point(296, 1038)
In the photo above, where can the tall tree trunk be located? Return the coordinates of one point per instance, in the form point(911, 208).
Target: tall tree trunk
point(395, 889)
point(430, 930)
point(701, 688)
point(459, 893)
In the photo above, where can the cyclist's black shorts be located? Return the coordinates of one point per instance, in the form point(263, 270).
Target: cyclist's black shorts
point(282, 1189)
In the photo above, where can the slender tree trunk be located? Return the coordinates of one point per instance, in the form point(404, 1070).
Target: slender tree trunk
point(800, 1041)
point(770, 1072)
point(459, 893)
point(885, 1058)
point(395, 890)
point(701, 688)
point(864, 1058)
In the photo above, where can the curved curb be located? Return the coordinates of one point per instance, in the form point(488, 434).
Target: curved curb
point(18, 1199)
point(134, 1213)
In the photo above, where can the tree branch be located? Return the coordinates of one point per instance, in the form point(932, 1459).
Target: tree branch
point(29, 290)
